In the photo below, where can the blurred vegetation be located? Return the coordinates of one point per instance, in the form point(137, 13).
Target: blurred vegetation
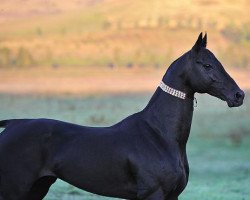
point(238, 51)
point(23, 58)
point(120, 33)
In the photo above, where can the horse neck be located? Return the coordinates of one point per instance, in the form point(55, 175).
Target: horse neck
point(169, 115)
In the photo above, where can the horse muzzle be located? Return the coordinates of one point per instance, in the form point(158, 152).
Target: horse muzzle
point(236, 100)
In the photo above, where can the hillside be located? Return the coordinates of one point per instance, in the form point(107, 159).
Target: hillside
point(120, 33)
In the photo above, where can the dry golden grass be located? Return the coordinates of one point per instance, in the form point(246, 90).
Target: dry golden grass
point(105, 33)
point(100, 32)
point(89, 81)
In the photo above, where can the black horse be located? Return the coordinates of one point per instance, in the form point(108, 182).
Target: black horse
point(141, 157)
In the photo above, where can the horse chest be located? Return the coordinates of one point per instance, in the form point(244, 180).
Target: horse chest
point(175, 170)
point(166, 170)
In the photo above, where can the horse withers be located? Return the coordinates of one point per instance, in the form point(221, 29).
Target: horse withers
point(143, 157)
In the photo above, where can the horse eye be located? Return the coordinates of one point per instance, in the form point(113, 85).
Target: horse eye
point(207, 66)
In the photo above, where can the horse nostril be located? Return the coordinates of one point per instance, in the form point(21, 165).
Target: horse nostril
point(239, 95)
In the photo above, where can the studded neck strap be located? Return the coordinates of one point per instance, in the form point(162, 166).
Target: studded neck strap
point(172, 91)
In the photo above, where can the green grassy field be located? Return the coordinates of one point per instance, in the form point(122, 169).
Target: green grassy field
point(218, 148)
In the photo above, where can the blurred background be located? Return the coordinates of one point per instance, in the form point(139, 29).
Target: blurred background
point(94, 62)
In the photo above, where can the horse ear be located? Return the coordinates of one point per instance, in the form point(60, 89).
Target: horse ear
point(198, 44)
point(204, 41)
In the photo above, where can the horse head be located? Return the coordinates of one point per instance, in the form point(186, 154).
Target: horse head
point(205, 74)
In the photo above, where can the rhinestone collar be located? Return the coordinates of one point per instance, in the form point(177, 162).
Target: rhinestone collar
point(172, 91)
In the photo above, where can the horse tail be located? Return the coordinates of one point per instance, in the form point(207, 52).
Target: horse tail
point(4, 123)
